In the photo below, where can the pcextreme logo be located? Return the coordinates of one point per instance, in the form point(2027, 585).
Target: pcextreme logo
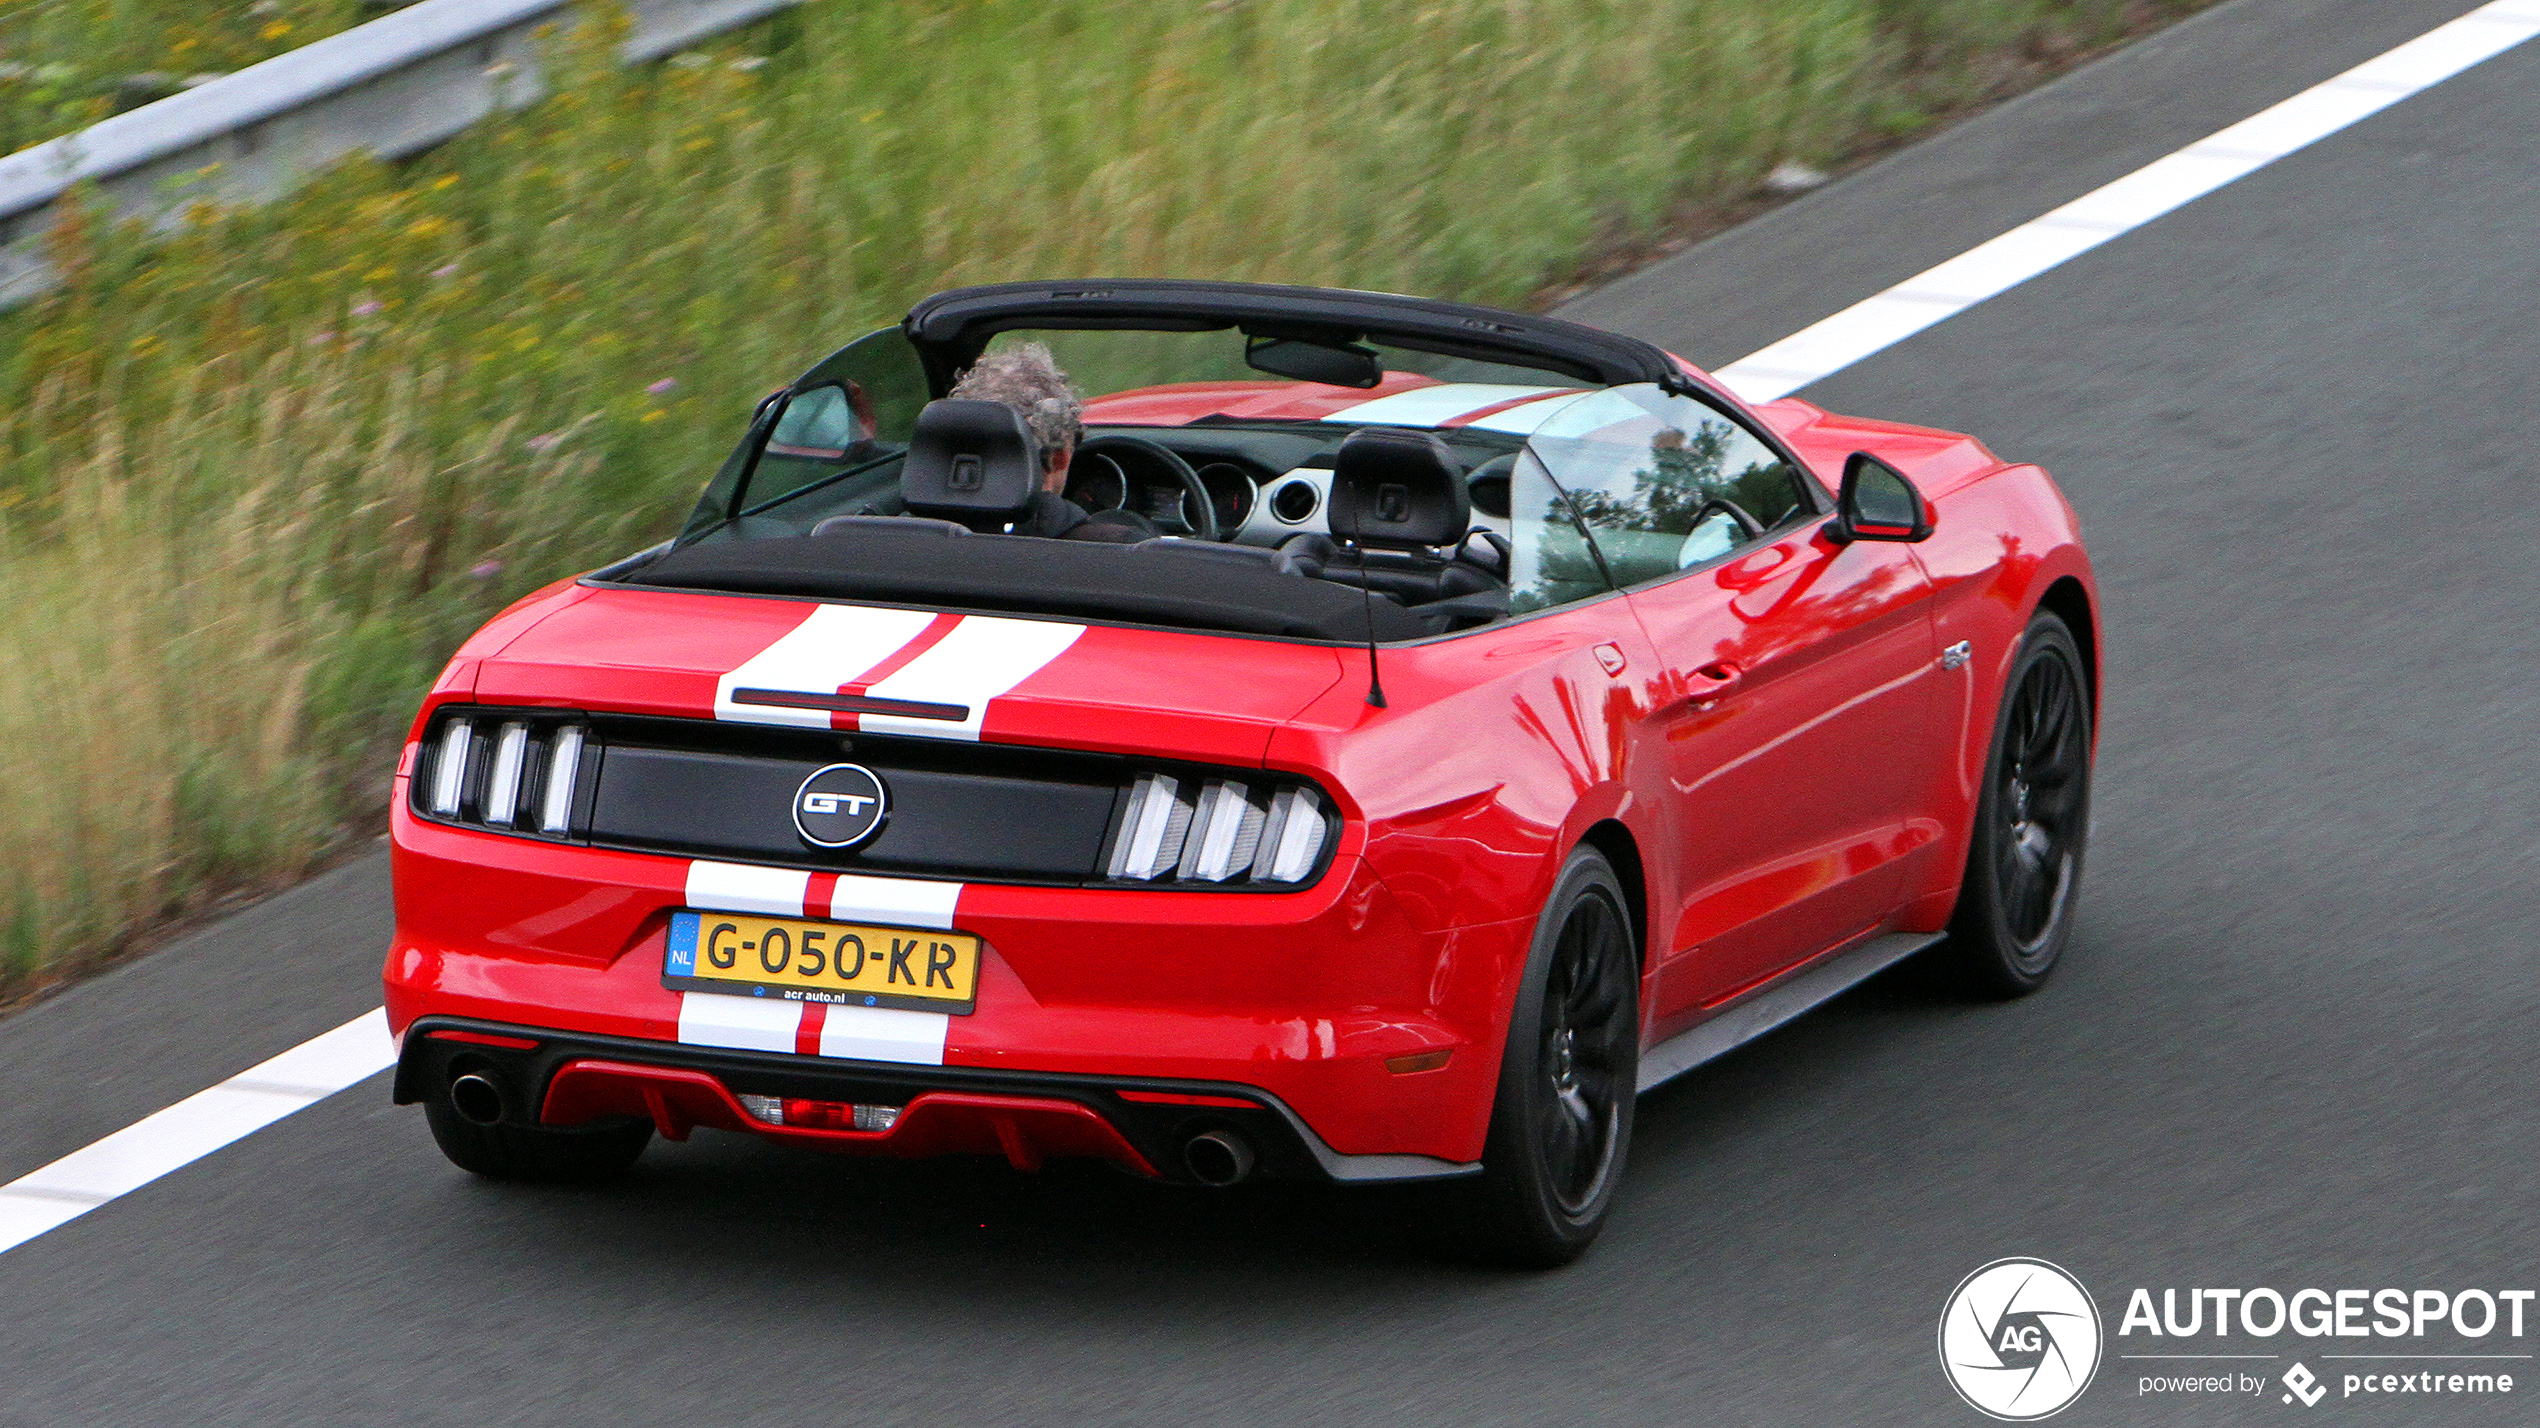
point(2019, 1339)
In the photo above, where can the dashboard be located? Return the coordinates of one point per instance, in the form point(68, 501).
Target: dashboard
point(1263, 484)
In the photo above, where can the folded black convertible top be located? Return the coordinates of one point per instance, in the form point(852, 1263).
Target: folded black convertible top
point(1150, 584)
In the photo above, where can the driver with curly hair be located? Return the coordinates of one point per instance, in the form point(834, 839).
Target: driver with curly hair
point(1026, 378)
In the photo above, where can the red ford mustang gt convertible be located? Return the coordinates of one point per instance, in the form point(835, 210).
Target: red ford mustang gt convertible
point(1427, 727)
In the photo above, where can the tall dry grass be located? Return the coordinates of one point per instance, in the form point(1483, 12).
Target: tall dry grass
point(257, 477)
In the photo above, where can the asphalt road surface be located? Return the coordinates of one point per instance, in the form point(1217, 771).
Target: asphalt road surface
point(2292, 1044)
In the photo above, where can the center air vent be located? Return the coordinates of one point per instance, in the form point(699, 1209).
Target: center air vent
point(1295, 501)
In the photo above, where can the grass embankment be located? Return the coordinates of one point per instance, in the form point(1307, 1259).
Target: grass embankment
point(65, 64)
point(257, 479)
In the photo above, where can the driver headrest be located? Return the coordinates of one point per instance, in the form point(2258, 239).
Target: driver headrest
point(1395, 486)
point(972, 462)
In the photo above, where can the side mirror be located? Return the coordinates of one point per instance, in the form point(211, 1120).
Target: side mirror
point(1878, 503)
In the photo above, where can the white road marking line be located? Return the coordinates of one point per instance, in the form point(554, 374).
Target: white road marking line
point(208, 1120)
point(1876, 323)
point(831, 647)
point(193, 1128)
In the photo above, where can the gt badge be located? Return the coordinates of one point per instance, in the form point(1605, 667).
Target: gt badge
point(840, 806)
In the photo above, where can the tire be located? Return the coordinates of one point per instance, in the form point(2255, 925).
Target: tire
point(1561, 1122)
point(2015, 909)
point(532, 1154)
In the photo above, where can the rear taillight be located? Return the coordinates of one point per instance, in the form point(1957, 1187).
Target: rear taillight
point(518, 771)
point(1223, 829)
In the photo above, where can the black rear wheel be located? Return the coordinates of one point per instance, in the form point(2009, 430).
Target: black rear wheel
point(2015, 910)
point(1563, 1117)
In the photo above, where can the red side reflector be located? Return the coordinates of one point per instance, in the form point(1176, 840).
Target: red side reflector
point(1424, 1061)
point(485, 1038)
point(1176, 1098)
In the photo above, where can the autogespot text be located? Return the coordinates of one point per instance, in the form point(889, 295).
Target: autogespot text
point(2452, 1336)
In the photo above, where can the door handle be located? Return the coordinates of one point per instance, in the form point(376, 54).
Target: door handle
point(1712, 683)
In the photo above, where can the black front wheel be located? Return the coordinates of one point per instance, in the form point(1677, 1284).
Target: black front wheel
point(1563, 1117)
point(2015, 910)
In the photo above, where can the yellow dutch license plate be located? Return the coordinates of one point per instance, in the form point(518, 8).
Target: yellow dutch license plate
point(839, 963)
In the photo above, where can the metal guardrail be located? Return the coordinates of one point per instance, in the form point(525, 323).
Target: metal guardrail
point(393, 87)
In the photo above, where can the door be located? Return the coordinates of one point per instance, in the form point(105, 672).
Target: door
point(1796, 718)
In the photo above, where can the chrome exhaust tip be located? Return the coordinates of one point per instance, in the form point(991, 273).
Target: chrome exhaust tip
point(477, 1099)
point(1218, 1158)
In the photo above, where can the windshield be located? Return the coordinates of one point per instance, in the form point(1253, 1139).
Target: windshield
point(1225, 442)
point(1104, 365)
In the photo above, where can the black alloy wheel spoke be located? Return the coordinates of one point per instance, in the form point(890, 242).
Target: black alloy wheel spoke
point(2037, 797)
point(1583, 1023)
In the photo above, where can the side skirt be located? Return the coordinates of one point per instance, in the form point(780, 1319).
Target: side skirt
point(1739, 1024)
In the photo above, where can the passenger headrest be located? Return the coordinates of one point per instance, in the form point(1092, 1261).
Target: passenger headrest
point(971, 462)
point(1395, 486)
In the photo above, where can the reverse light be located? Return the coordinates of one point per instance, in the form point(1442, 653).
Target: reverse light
point(1226, 829)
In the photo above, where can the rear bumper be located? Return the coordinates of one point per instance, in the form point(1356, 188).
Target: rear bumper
point(1326, 1002)
point(561, 1079)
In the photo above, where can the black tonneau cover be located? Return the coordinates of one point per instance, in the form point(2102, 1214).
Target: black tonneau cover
point(1150, 584)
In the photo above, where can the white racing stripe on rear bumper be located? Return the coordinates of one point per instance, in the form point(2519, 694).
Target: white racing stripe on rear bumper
point(982, 658)
point(742, 1023)
point(738, 887)
point(913, 1038)
point(739, 1023)
point(832, 647)
point(905, 902)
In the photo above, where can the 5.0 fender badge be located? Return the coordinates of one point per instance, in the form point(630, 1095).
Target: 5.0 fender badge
point(840, 806)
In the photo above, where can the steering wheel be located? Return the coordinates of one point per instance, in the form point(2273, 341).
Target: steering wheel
point(1195, 495)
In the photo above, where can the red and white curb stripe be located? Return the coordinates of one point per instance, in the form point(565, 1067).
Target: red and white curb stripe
point(805, 658)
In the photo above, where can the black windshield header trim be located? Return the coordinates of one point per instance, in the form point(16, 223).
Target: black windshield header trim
point(951, 328)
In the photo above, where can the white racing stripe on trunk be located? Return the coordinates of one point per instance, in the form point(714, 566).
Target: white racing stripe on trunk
point(1877, 323)
point(1433, 406)
point(833, 646)
point(981, 659)
point(904, 902)
point(913, 1038)
point(194, 1127)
